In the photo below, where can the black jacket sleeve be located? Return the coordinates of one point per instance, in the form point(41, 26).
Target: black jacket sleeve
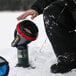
point(39, 5)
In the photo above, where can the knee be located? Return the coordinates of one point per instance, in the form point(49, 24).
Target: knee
point(48, 16)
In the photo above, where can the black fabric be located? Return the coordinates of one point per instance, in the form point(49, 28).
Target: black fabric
point(39, 5)
point(61, 32)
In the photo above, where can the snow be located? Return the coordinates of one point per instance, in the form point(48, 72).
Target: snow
point(41, 55)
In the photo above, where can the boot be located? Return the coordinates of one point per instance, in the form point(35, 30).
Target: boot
point(65, 64)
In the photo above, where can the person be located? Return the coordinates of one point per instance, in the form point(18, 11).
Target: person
point(59, 19)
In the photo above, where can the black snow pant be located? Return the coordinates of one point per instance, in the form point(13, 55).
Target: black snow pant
point(60, 28)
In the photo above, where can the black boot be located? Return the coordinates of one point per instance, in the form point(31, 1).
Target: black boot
point(65, 64)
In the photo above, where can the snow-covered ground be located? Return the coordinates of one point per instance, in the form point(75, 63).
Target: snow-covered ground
point(41, 55)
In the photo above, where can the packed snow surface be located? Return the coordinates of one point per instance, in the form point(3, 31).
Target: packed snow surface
point(41, 55)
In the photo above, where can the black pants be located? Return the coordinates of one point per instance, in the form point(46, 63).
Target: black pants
point(60, 28)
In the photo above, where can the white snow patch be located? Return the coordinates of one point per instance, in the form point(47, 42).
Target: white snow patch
point(41, 54)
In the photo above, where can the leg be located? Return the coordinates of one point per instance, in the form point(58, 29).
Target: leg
point(60, 31)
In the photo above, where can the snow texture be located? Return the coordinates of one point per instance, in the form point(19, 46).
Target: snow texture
point(41, 55)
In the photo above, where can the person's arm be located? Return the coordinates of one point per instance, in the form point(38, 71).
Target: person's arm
point(39, 5)
point(36, 9)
